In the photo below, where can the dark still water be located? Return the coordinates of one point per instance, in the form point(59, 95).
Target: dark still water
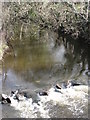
point(38, 65)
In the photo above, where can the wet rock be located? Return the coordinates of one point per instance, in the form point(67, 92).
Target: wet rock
point(7, 100)
point(15, 94)
point(57, 88)
point(4, 99)
point(44, 93)
point(25, 94)
point(72, 83)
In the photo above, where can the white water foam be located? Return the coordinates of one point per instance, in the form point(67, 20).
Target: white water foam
point(29, 109)
point(75, 97)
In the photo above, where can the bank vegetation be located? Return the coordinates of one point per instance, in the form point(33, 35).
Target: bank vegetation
point(65, 18)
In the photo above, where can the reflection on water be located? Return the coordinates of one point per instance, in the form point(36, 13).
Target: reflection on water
point(38, 63)
point(30, 57)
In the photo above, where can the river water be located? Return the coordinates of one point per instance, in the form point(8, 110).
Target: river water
point(39, 64)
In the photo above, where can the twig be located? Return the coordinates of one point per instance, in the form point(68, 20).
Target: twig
point(21, 32)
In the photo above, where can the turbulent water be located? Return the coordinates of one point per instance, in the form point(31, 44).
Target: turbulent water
point(73, 99)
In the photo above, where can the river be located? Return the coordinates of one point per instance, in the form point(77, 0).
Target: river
point(39, 64)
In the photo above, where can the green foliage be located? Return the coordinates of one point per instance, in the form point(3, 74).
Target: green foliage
point(47, 15)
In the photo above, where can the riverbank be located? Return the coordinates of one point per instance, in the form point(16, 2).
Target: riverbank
point(3, 48)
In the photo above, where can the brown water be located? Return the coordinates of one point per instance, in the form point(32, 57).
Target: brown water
point(39, 64)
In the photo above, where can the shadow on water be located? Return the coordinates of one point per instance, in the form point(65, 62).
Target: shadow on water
point(77, 51)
